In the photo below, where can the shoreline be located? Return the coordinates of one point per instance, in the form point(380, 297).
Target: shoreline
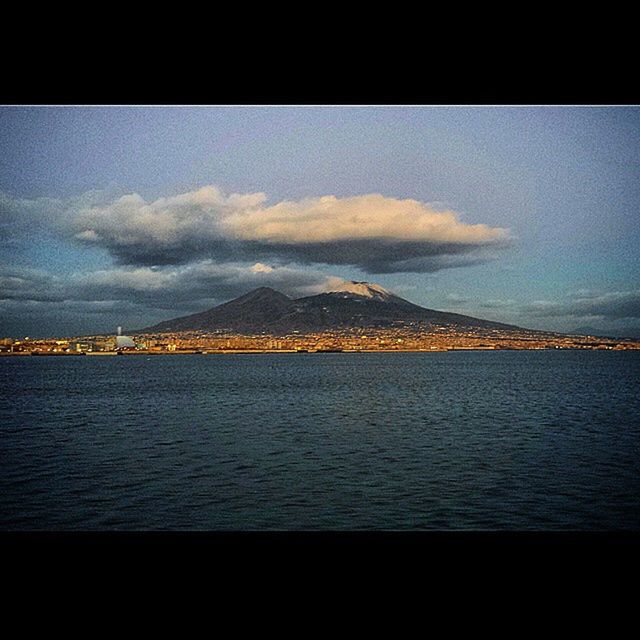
point(295, 351)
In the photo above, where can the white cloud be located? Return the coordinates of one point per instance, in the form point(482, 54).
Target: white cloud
point(258, 267)
point(376, 233)
point(373, 232)
point(331, 219)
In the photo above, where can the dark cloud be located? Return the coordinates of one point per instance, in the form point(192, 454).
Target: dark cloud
point(143, 293)
point(613, 305)
point(377, 255)
point(29, 284)
point(71, 317)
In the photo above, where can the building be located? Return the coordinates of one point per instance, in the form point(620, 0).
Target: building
point(124, 342)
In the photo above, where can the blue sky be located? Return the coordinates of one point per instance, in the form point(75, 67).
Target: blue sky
point(556, 188)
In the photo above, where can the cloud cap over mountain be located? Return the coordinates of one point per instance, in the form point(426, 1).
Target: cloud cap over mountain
point(373, 232)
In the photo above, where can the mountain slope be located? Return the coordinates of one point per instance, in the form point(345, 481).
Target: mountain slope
point(357, 304)
point(254, 311)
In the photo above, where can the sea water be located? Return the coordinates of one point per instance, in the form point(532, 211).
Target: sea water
point(506, 440)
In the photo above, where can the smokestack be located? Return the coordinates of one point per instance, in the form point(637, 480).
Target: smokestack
point(119, 331)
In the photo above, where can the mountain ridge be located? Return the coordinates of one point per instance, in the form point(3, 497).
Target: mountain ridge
point(357, 305)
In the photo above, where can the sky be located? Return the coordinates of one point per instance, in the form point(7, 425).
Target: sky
point(132, 215)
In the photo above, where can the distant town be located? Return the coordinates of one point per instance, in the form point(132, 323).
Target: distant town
point(351, 340)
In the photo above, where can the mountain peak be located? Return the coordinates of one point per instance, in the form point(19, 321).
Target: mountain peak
point(364, 289)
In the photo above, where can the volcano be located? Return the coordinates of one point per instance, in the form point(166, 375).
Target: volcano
point(353, 305)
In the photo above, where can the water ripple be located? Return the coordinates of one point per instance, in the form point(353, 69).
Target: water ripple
point(505, 440)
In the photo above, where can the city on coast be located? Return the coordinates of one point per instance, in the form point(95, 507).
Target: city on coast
point(401, 339)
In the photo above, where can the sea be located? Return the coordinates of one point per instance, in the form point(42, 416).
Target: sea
point(463, 440)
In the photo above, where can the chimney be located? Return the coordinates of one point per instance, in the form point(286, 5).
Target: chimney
point(119, 331)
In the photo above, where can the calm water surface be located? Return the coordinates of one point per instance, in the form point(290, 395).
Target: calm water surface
point(464, 440)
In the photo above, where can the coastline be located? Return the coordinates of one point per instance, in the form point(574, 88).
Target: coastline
point(301, 351)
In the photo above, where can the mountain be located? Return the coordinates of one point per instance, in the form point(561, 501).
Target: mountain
point(356, 304)
point(254, 311)
point(366, 290)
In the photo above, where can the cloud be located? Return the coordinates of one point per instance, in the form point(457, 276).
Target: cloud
point(610, 313)
point(193, 250)
point(184, 288)
point(577, 305)
point(20, 217)
point(71, 317)
point(32, 285)
point(202, 281)
point(373, 232)
point(613, 305)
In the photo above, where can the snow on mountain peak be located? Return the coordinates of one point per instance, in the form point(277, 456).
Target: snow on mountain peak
point(363, 289)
